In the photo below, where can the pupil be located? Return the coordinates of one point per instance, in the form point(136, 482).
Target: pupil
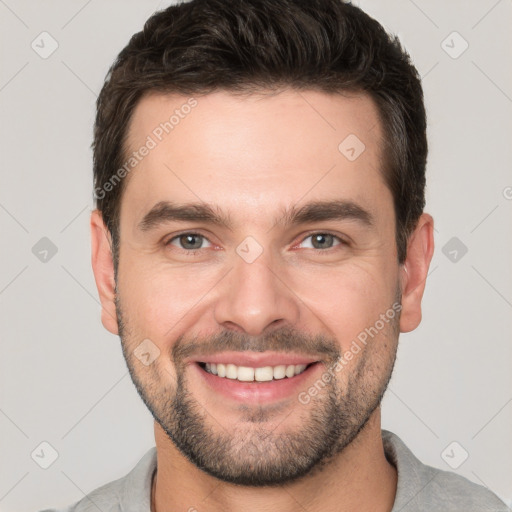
point(319, 241)
point(185, 239)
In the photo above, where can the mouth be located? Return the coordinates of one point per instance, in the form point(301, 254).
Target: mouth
point(252, 374)
point(256, 379)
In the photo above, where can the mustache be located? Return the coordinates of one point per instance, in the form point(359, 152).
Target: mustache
point(284, 340)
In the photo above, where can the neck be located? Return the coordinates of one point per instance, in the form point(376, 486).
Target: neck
point(359, 478)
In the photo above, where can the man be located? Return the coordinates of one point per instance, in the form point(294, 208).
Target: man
point(259, 243)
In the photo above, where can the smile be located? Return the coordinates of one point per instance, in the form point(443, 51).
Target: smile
point(250, 374)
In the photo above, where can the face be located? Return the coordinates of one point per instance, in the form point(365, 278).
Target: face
point(258, 288)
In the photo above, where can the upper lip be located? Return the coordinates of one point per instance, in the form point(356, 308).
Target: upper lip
point(256, 359)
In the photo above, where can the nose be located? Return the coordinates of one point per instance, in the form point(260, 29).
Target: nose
point(254, 298)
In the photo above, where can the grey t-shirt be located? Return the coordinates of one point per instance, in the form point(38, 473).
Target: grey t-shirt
point(420, 488)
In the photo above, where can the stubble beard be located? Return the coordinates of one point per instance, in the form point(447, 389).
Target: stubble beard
point(258, 451)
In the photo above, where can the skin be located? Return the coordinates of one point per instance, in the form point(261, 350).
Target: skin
point(252, 156)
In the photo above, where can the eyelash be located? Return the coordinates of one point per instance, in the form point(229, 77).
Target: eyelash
point(188, 252)
point(341, 241)
point(192, 252)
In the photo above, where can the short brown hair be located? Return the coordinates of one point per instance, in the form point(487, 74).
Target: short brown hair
point(201, 46)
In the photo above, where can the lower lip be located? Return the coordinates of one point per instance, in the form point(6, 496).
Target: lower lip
point(257, 392)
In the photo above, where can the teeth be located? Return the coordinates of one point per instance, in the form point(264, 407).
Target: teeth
point(231, 371)
point(264, 374)
point(244, 373)
point(248, 374)
point(290, 370)
point(280, 371)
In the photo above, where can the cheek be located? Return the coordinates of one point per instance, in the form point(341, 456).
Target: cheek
point(161, 301)
point(348, 299)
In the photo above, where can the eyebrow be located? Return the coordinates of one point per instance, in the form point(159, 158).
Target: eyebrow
point(166, 211)
point(326, 210)
point(316, 211)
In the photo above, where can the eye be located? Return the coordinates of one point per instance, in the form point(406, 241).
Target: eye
point(321, 241)
point(188, 241)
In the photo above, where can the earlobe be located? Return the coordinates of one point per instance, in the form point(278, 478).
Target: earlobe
point(420, 249)
point(103, 269)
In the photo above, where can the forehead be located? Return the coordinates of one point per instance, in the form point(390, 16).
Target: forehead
point(260, 150)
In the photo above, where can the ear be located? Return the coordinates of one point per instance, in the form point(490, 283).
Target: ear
point(420, 249)
point(103, 268)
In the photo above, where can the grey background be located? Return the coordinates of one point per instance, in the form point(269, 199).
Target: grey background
point(62, 376)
